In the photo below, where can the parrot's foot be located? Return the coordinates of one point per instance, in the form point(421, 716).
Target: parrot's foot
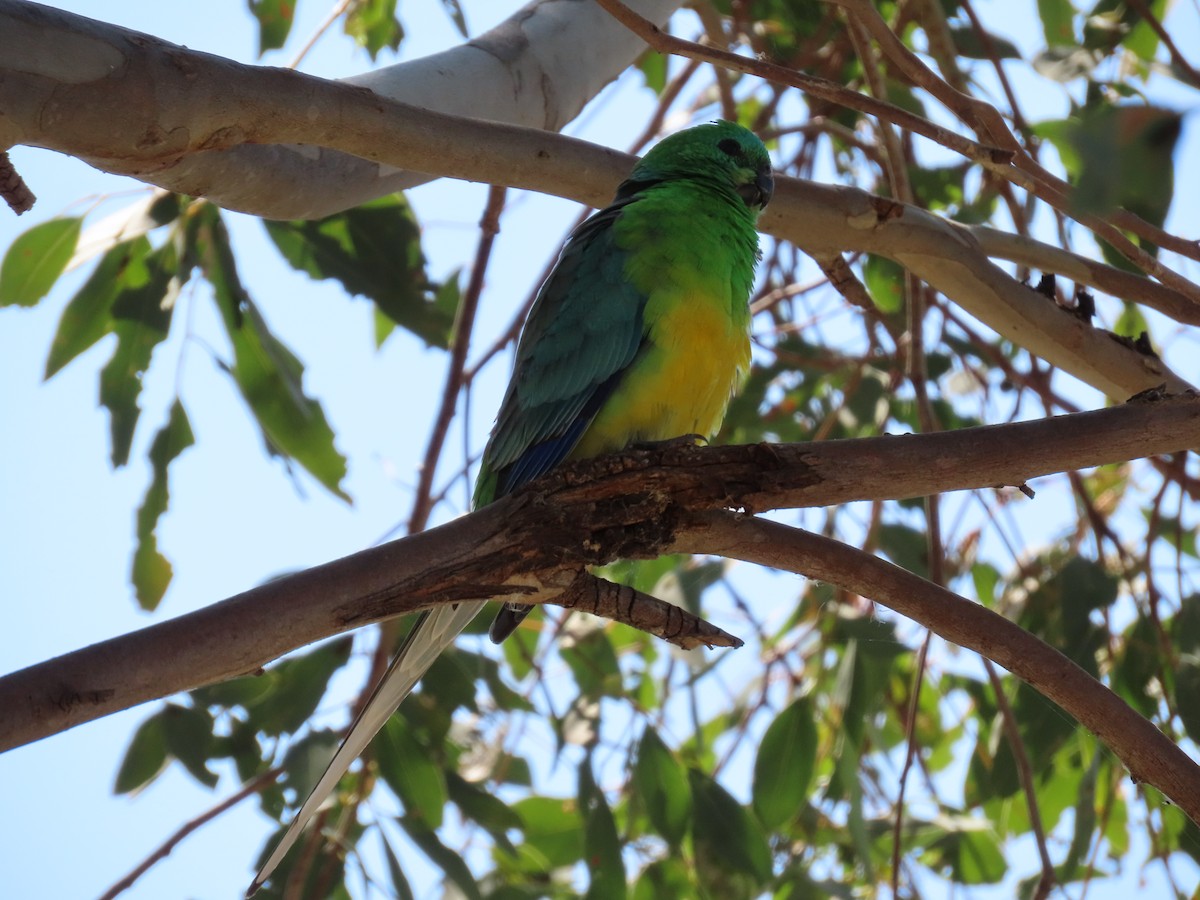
point(684, 440)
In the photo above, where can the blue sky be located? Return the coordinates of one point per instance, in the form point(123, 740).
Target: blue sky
point(236, 518)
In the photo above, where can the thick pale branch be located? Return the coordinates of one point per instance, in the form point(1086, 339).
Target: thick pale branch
point(1149, 755)
point(820, 218)
point(157, 104)
point(127, 102)
point(628, 505)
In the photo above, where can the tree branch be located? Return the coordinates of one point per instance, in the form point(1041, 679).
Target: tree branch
point(637, 504)
point(1150, 756)
point(150, 106)
point(120, 99)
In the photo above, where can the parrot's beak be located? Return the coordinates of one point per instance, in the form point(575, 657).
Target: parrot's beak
point(758, 192)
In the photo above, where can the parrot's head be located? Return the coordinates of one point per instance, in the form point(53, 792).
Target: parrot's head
point(721, 152)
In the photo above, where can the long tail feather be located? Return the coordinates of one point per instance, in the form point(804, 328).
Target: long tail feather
point(436, 631)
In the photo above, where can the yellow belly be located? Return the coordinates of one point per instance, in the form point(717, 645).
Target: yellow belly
point(681, 383)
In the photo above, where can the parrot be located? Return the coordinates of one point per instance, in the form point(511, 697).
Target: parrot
point(640, 334)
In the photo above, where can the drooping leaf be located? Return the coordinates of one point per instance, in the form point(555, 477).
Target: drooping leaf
point(275, 19)
point(968, 850)
point(151, 571)
point(88, 315)
point(400, 883)
point(970, 44)
point(36, 259)
point(484, 808)
point(1119, 156)
point(126, 225)
point(141, 318)
point(297, 685)
point(554, 835)
point(594, 664)
point(1058, 22)
point(373, 25)
point(145, 758)
point(443, 857)
point(602, 843)
point(661, 788)
point(668, 877)
point(267, 373)
point(189, 737)
point(374, 250)
point(783, 768)
point(454, 10)
point(409, 769)
point(725, 834)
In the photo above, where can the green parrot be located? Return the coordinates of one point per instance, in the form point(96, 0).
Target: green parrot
point(640, 333)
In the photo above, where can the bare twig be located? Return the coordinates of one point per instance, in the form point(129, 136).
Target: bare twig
point(251, 787)
point(1025, 773)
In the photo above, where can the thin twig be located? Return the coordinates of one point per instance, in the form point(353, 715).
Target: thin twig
point(810, 84)
point(1025, 773)
point(251, 787)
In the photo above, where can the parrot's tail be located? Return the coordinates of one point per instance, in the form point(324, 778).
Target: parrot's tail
point(435, 631)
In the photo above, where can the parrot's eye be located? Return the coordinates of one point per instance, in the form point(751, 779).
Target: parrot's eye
point(730, 147)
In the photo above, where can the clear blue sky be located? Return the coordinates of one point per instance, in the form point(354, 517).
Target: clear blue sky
point(236, 518)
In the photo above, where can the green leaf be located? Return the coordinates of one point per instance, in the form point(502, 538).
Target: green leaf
point(1142, 40)
point(1058, 22)
point(725, 835)
point(373, 25)
point(784, 767)
point(661, 787)
point(403, 890)
point(485, 808)
point(150, 211)
point(141, 318)
point(409, 769)
point(669, 877)
point(146, 757)
point(267, 373)
point(88, 315)
point(1187, 694)
point(971, 45)
point(553, 833)
point(602, 843)
point(304, 764)
point(1119, 157)
point(654, 70)
point(454, 10)
point(884, 280)
point(151, 571)
point(446, 859)
point(969, 849)
point(189, 738)
point(906, 547)
point(36, 259)
point(593, 662)
point(274, 22)
point(374, 250)
point(297, 685)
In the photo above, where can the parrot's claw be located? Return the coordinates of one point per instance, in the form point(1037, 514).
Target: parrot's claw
point(684, 440)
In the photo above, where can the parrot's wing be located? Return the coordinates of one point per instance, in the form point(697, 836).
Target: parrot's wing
point(435, 631)
point(583, 332)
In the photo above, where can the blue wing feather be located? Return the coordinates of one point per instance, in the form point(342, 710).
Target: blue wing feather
point(583, 332)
